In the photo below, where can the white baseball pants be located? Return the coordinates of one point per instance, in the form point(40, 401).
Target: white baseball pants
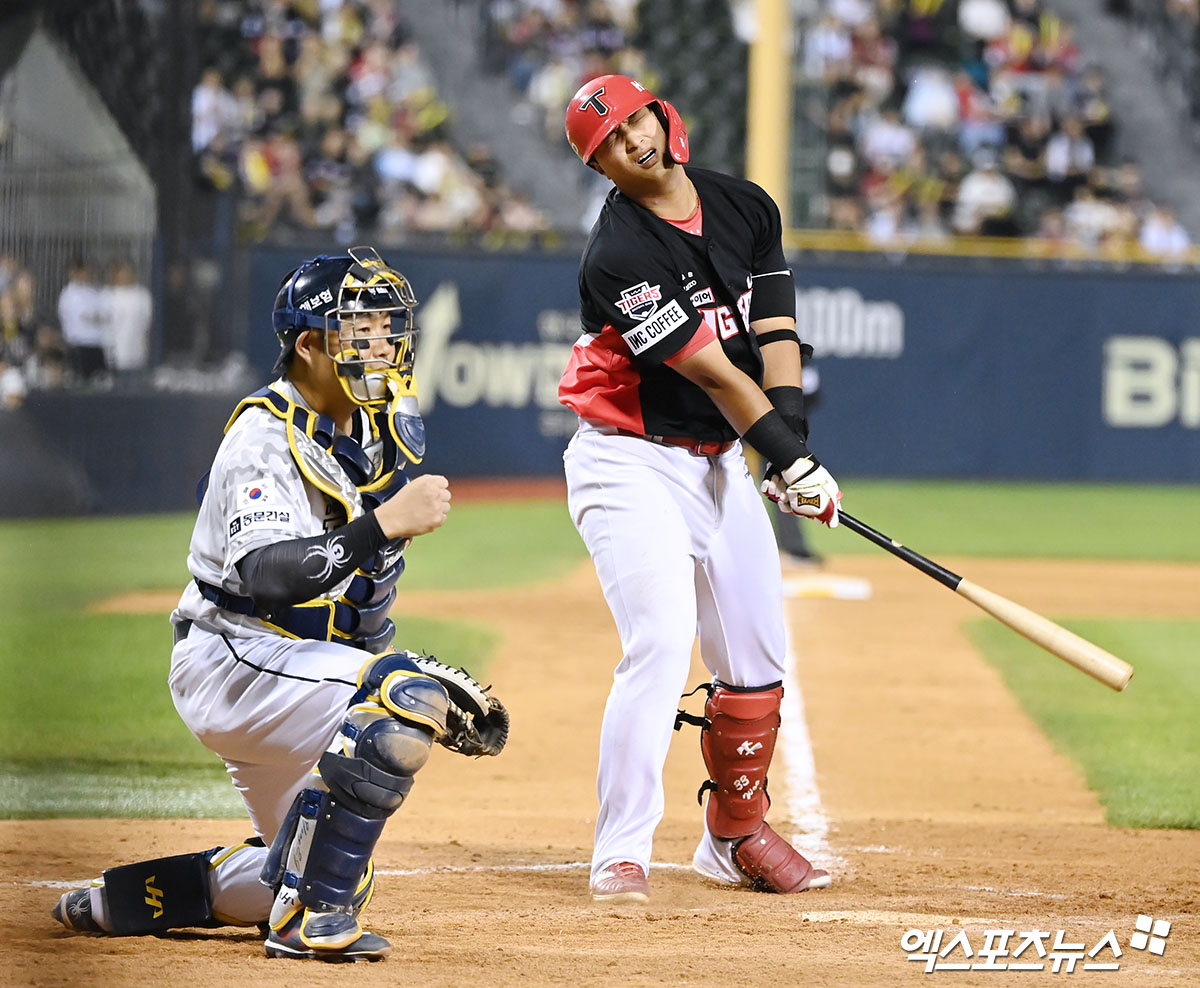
point(270, 727)
point(683, 547)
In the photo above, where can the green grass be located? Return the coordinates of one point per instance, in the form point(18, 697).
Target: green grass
point(119, 747)
point(1140, 749)
point(87, 727)
point(498, 544)
point(1064, 521)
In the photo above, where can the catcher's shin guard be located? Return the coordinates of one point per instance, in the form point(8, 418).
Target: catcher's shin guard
point(320, 860)
point(737, 741)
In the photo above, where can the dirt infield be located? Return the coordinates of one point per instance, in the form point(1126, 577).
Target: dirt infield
point(943, 808)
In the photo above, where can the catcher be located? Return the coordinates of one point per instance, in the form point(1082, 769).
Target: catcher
point(281, 662)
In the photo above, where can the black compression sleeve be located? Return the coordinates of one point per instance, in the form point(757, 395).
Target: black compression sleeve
point(777, 443)
point(789, 403)
point(300, 569)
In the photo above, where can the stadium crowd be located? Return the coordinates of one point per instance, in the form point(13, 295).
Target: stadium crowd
point(324, 115)
point(939, 117)
point(981, 117)
point(98, 333)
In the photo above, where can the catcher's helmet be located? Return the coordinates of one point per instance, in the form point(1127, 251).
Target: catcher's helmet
point(601, 104)
point(333, 292)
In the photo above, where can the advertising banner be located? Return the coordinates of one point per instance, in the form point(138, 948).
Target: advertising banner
point(947, 372)
point(1020, 374)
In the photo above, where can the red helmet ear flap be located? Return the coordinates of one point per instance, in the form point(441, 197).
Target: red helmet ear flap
point(677, 141)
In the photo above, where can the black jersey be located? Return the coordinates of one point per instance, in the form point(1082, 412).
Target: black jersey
point(651, 295)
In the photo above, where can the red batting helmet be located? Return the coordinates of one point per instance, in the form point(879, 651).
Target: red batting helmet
point(601, 104)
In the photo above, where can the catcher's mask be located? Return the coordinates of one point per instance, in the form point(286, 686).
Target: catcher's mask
point(339, 295)
point(603, 103)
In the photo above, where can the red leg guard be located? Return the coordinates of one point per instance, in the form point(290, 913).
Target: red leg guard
point(775, 865)
point(737, 745)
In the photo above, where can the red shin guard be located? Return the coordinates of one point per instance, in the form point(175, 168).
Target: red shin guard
point(737, 745)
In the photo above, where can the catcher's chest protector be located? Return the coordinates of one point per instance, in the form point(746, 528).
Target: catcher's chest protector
point(737, 745)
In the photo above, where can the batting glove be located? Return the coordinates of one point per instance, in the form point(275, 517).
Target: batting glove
point(807, 488)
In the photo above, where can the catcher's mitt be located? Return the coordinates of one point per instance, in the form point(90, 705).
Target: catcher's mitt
point(477, 723)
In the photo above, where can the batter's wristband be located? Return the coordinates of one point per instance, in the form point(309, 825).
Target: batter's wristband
point(788, 400)
point(771, 436)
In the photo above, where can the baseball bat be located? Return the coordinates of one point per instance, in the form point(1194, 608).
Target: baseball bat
point(1054, 638)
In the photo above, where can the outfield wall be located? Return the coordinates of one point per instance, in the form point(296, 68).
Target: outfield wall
point(953, 370)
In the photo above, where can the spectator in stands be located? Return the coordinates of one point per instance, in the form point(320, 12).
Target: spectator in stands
point(874, 57)
point(1128, 189)
point(130, 310)
point(1088, 219)
point(346, 68)
point(1163, 236)
point(550, 89)
point(927, 30)
point(886, 139)
point(1090, 104)
point(986, 198)
point(285, 194)
point(1069, 157)
point(12, 385)
point(950, 171)
point(84, 318)
point(983, 20)
point(17, 315)
point(48, 366)
point(330, 179)
point(828, 50)
point(931, 104)
point(980, 124)
point(214, 109)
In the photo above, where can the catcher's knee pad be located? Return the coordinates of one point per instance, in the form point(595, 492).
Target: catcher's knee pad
point(737, 741)
point(395, 682)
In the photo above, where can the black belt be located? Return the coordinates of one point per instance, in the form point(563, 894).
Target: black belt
point(697, 447)
point(182, 629)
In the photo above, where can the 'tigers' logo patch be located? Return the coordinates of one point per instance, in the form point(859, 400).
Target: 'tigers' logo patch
point(640, 301)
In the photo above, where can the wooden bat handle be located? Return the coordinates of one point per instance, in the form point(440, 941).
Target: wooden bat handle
point(1054, 638)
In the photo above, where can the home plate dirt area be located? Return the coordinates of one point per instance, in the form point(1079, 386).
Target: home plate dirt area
point(936, 803)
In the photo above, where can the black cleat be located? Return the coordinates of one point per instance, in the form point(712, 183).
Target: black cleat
point(74, 911)
point(331, 937)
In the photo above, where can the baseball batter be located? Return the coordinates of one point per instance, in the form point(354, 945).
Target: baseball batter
point(281, 662)
point(688, 311)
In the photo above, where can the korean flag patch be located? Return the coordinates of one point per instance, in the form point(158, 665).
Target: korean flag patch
point(255, 494)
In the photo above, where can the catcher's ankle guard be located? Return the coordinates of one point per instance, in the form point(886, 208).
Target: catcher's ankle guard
point(160, 894)
point(737, 741)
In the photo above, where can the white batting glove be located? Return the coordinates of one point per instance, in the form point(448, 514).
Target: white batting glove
point(810, 491)
point(773, 487)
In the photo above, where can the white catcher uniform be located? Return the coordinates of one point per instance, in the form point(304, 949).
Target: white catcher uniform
point(282, 662)
point(268, 704)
